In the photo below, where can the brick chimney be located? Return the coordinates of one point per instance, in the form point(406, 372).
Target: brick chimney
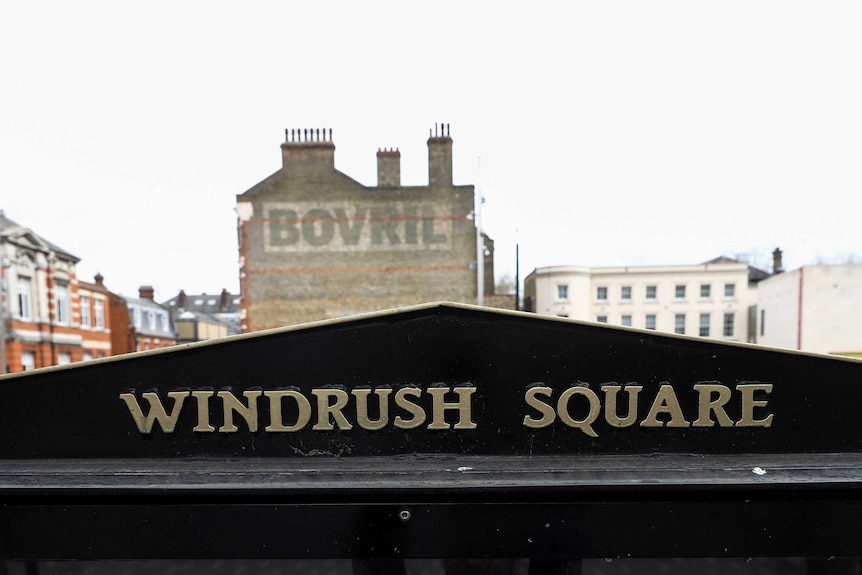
point(224, 300)
point(182, 299)
point(388, 168)
point(308, 149)
point(147, 292)
point(440, 156)
point(777, 264)
point(100, 279)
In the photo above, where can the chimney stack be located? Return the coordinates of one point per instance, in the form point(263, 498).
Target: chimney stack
point(309, 149)
point(182, 299)
point(388, 168)
point(777, 265)
point(224, 300)
point(147, 292)
point(440, 156)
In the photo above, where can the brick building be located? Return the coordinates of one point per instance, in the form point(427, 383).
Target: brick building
point(150, 323)
point(40, 304)
point(140, 324)
point(94, 307)
point(315, 243)
point(50, 317)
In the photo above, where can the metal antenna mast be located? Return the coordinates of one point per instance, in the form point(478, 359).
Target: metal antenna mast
point(480, 241)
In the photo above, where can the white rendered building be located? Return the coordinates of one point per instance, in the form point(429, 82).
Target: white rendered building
point(813, 308)
point(714, 299)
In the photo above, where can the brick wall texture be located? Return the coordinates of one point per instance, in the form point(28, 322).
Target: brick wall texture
point(316, 244)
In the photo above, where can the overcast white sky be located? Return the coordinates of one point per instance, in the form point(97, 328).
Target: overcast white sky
point(610, 132)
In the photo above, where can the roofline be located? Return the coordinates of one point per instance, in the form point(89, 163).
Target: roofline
point(420, 307)
point(609, 270)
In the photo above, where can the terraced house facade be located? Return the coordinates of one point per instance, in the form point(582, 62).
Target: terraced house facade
point(715, 299)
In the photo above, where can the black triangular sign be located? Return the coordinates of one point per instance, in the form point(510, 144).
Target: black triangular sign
point(437, 378)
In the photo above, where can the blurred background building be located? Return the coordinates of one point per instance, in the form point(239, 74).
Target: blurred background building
point(713, 299)
point(315, 243)
point(813, 308)
point(199, 317)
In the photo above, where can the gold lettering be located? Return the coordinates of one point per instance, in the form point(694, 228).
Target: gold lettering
point(611, 415)
point(415, 410)
point(665, 402)
point(585, 424)
point(706, 405)
point(749, 403)
point(248, 412)
point(334, 410)
point(325, 409)
point(440, 405)
point(548, 413)
point(157, 410)
point(276, 414)
point(362, 418)
point(203, 400)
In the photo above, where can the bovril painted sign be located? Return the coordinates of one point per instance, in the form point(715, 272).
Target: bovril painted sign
point(357, 226)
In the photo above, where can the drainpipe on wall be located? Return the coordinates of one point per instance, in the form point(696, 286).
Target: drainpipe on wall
point(52, 300)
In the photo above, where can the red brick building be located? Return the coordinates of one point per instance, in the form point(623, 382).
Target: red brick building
point(95, 319)
point(40, 307)
point(140, 324)
point(49, 317)
point(151, 325)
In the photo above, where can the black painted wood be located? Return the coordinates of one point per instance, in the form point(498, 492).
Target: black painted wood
point(79, 481)
point(76, 411)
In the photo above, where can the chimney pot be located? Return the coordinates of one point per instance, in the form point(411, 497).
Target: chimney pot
point(307, 149)
point(440, 158)
point(777, 264)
